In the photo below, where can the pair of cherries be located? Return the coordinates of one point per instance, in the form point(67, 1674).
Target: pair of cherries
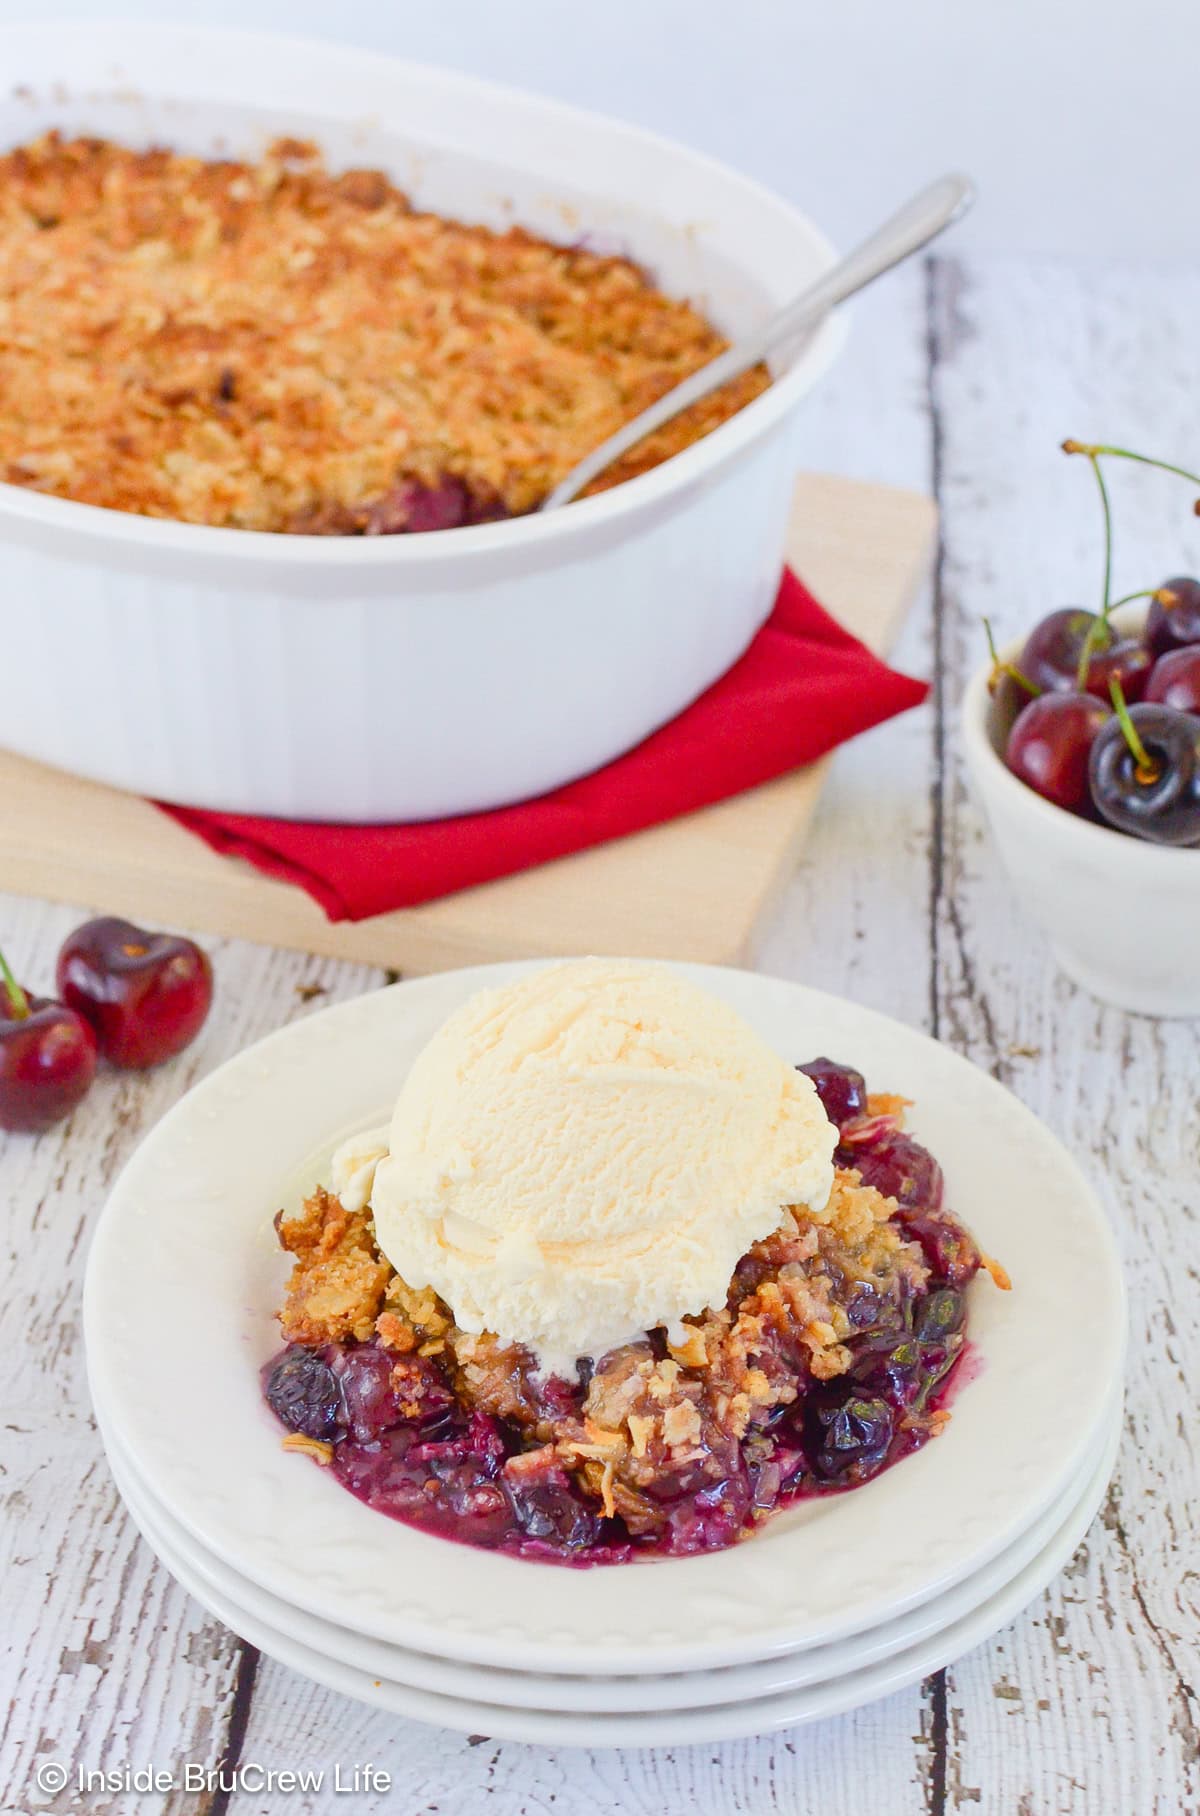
point(1104, 725)
point(137, 998)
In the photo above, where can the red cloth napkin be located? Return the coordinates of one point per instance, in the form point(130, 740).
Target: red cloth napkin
point(803, 686)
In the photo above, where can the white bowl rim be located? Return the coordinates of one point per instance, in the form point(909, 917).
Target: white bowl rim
point(510, 535)
point(985, 759)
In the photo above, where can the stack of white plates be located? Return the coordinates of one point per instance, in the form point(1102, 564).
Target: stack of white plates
point(835, 1602)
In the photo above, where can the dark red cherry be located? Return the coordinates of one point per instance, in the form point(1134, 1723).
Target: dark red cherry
point(1054, 650)
point(1009, 688)
point(1008, 700)
point(1150, 785)
point(899, 1167)
point(1175, 680)
point(1125, 659)
point(145, 994)
point(1171, 626)
point(1050, 658)
point(302, 1391)
point(1050, 744)
point(842, 1089)
point(47, 1057)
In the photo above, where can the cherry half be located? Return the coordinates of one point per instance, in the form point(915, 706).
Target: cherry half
point(1050, 745)
point(1174, 616)
point(47, 1057)
point(146, 995)
point(1145, 773)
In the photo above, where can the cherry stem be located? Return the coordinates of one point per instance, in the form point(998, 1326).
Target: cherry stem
point(18, 1002)
point(1006, 668)
point(1163, 594)
point(1144, 767)
point(1092, 449)
point(1106, 605)
point(1097, 632)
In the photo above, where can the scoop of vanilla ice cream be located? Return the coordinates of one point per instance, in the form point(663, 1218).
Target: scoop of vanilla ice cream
point(588, 1152)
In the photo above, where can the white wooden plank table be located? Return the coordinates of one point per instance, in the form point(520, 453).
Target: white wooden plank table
point(962, 379)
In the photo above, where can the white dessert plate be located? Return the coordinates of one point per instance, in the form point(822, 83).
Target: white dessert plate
point(184, 1276)
point(526, 1689)
point(656, 1727)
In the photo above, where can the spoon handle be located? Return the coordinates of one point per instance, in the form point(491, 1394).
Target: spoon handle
point(905, 232)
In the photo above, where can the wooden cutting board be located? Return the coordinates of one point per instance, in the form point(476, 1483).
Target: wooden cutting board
point(698, 888)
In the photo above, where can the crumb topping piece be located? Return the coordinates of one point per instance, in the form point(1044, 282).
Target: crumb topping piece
point(337, 1286)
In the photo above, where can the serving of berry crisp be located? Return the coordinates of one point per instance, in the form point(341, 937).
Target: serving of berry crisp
point(832, 1358)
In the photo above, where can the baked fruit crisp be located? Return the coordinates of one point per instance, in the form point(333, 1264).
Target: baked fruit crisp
point(831, 1358)
point(269, 346)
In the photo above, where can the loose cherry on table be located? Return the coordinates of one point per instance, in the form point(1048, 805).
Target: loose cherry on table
point(146, 995)
point(47, 1057)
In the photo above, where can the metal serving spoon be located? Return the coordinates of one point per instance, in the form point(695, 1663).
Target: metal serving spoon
point(910, 228)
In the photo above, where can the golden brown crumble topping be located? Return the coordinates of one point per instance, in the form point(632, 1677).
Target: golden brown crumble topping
point(269, 346)
point(337, 1285)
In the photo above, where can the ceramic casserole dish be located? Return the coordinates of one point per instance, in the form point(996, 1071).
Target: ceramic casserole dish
point(404, 677)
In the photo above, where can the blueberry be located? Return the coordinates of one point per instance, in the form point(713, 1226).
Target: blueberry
point(842, 1090)
point(881, 1321)
point(938, 1316)
point(865, 1306)
point(548, 1508)
point(303, 1393)
point(855, 1437)
point(896, 1376)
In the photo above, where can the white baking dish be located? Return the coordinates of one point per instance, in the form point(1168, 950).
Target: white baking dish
point(405, 677)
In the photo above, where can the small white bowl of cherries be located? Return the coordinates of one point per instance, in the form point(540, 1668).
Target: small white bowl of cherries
point(1083, 743)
